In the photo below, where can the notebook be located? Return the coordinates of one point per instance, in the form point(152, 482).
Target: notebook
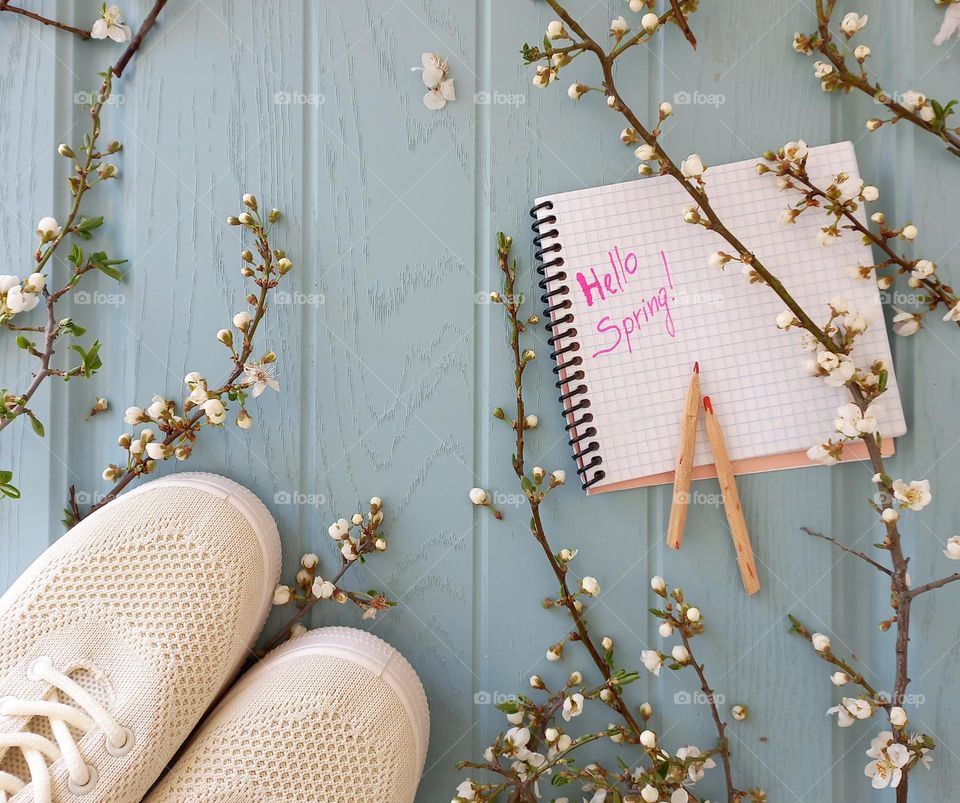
point(632, 305)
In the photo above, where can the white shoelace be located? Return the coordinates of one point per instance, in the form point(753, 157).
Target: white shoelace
point(38, 751)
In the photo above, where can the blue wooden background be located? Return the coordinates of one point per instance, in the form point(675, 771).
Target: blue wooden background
point(389, 364)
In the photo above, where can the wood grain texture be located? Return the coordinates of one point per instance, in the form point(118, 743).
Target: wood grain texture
point(389, 366)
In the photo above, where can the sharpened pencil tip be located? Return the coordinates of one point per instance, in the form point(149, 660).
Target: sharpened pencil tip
point(707, 405)
point(696, 367)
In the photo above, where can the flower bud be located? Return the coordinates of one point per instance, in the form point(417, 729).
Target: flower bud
point(66, 151)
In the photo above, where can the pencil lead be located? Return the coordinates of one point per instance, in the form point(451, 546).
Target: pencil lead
point(707, 405)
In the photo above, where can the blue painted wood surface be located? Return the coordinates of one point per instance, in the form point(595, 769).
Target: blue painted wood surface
point(389, 366)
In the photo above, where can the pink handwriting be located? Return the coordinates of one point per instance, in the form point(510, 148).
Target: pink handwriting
point(651, 310)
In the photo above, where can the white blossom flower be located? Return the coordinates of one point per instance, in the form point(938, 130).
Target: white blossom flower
point(650, 794)
point(666, 108)
point(795, 151)
point(650, 22)
point(618, 27)
point(349, 551)
point(821, 643)
point(47, 228)
point(821, 69)
point(577, 90)
point(648, 739)
point(692, 166)
point(558, 477)
point(886, 767)
point(786, 319)
point(652, 660)
point(826, 237)
point(658, 584)
point(157, 451)
point(680, 796)
point(890, 515)
point(845, 717)
point(466, 790)
point(35, 283)
point(717, 260)
point(909, 232)
point(339, 529)
point(953, 547)
point(645, 152)
point(915, 495)
point(544, 76)
point(853, 22)
point(839, 679)
point(19, 301)
point(242, 320)
point(110, 25)
point(555, 30)
point(953, 314)
point(6, 282)
point(862, 52)
point(906, 323)
point(819, 453)
point(922, 269)
point(693, 614)
point(695, 771)
point(590, 586)
point(665, 629)
point(479, 496)
point(261, 376)
point(323, 589)
point(898, 717)
point(281, 595)
point(851, 422)
point(680, 654)
point(572, 706)
point(214, 410)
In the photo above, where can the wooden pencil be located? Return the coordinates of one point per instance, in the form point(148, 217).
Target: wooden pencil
point(731, 501)
point(684, 468)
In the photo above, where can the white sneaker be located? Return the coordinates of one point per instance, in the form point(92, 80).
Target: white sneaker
point(118, 638)
point(333, 716)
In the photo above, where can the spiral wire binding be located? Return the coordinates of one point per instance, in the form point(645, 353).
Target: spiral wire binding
point(574, 395)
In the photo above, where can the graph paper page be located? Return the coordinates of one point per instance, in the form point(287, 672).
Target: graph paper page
point(646, 306)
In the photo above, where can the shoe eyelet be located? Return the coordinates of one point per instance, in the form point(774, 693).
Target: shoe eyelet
point(38, 666)
point(124, 748)
point(81, 789)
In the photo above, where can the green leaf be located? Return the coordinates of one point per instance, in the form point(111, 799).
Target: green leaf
point(23, 343)
point(37, 425)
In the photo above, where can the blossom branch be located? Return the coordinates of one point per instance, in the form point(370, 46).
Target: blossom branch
point(916, 592)
point(207, 406)
point(89, 170)
point(356, 539)
point(137, 40)
point(823, 648)
point(5, 6)
point(835, 74)
point(833, 341)
point(844, 548)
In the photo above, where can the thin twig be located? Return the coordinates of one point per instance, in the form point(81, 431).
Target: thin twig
point(682, 23)
point(843, 547)
point(916, 592)
point(5, 6)
point(137, 40)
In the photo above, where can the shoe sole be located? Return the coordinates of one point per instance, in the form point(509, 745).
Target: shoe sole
point(363, 649)
point(264, 525)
